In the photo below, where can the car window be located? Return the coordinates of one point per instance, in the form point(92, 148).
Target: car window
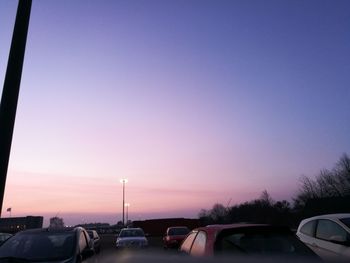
point(178, 231)
point(4, 237)
point(198, 247)
point(309, 228)
point(186, 245)
point(40, 247)
point(327, 229)
point(261, 243)
point(82, 242)
point(345, 221)
point(132, 233)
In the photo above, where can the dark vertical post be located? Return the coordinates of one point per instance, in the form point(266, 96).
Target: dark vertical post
point(8, 105)
point(127, 214)
point(123, 203)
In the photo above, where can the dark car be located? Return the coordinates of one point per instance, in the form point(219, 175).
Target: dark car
point(245, 240)
point(48, 245)
point(174, 236)
point(96, 239)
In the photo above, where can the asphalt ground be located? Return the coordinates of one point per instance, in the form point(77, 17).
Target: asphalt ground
point(109, 252)
point(108, 242)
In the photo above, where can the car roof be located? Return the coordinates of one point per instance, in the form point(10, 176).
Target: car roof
point(230, 226)
point(50, 230)
point(329, 216)
point(217, 229)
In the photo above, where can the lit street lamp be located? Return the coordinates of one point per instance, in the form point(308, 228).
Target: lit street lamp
point(124, 181)
point(127, 212)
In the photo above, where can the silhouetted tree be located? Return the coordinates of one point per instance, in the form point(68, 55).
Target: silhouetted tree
point(329, 192)
point(218, 213)
point(328, 183)
point(266, 199)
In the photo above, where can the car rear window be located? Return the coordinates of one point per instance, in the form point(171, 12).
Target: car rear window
point(131, 233)
point(346, 221)
point(178, 231)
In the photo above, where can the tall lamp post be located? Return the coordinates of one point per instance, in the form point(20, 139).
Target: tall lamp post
point(124, 181)
point(127, 212)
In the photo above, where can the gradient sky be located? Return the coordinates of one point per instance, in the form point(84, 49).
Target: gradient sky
point(195, 102)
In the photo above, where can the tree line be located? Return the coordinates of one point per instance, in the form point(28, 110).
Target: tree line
point(328, 192)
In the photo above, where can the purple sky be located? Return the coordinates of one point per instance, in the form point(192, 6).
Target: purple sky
point(195, 102)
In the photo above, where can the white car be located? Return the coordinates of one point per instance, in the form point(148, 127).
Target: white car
point(131, 238)
point(327, 235)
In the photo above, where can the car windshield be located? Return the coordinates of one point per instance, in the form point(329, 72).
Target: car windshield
point(40, 246)
point(178, 231)
point(4, 236)
point(261, 243)
point(346, 221)
point(132, 233)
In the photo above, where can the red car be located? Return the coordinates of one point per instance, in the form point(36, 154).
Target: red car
point(174, 236)
point(245, 239)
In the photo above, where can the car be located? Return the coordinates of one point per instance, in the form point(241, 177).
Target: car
point(131, 238)
point(4, 237)
point(96, 239)
point(68, 245)
point(327, 235)
point(245, 240)
point(174, 236)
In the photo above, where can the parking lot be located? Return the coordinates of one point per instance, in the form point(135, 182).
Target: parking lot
point(155, 251)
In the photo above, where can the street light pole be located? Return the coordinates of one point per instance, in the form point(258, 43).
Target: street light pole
point(124, 181)
point(127, 212)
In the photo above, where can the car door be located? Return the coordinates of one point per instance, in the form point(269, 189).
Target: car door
point(328, 239)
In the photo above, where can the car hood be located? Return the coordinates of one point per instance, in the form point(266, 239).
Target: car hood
point(17, 259)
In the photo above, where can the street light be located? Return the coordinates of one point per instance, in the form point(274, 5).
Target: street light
point(127, 212)
point(124, 181)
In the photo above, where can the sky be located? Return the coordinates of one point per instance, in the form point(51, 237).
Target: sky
point(195, 102)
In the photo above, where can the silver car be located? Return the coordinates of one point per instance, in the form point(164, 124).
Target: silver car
point(327, 235)
point(131, 238)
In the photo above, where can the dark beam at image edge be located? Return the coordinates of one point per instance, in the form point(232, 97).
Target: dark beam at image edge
point(9, 99)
